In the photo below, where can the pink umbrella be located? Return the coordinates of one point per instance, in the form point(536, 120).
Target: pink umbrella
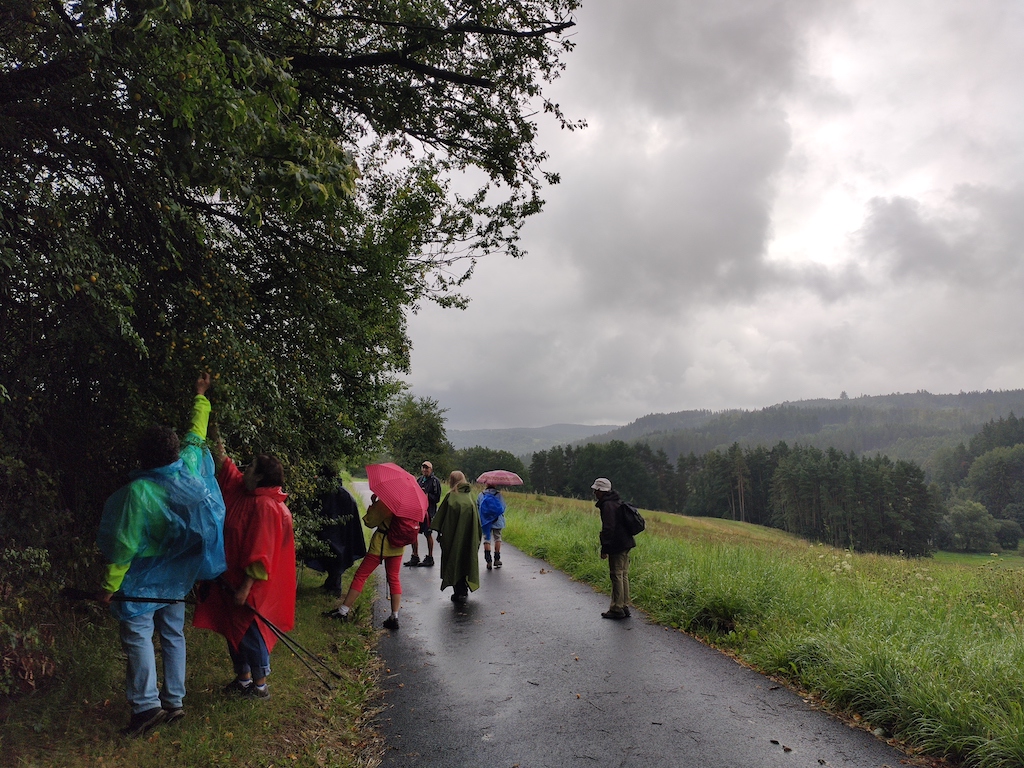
point(500, 477)
point(398, 490)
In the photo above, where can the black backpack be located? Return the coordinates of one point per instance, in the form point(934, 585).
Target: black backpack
point(632, 520)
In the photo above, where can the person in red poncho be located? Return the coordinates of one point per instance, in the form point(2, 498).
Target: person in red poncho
point(259, 545)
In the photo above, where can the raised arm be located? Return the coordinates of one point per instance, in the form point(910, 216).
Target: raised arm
point(201, 407)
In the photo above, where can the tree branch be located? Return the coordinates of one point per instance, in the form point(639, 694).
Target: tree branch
point(389, 58)
point(18, 84)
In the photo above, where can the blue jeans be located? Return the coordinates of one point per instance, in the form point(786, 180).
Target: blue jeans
point(137, 642)
point(252, 656)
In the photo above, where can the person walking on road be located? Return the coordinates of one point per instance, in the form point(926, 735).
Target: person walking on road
point(492, 521)
point(380, 550)
point(458, 530)
point(159, 534)
point(615, 545)
point(432, 488)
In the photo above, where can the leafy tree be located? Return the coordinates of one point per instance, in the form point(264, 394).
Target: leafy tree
point(1014, 511)
point(256, 188)
point(996, 479)
point(971, 527)
point(416, 433)
point(1009, 534)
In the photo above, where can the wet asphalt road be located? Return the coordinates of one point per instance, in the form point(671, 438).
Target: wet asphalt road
point(528, 674)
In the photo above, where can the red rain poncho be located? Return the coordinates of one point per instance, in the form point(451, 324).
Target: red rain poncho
point(257, 530)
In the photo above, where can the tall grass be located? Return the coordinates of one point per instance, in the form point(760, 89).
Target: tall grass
point(933, 653)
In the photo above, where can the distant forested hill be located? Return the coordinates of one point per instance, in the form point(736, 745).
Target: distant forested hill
point(915, 426)
point(523, 441)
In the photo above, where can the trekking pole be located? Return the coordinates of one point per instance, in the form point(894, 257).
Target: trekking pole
point(288, 644)
point(72, 593)
point(290, 641)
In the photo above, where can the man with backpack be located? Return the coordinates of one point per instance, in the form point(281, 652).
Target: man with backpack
point(431, 487)
point(380, 549)
point(616, 541)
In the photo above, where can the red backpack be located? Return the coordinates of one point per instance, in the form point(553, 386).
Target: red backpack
point(402, 531)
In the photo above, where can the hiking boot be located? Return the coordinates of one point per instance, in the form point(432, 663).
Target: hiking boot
point(487, 558)
point(141, 722)
point(413, 561)
point(255, 692)
point(237, 688)
point(626, 612)
point(428, 562)
point(390, 623)
point(497, 560)
point(174, 714)
point(616, 614)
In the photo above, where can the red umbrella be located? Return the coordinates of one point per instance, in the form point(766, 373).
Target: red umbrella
point(500, 477)
point(398, 490)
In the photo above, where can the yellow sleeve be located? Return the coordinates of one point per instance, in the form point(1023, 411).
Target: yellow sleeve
point(376, 514)
point(257, 571)
point(115, 575)
point(200, 416)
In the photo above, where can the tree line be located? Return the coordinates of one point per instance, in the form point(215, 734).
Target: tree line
point(867, 504)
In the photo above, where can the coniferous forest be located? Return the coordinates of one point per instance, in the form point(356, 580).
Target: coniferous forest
point(970, 499)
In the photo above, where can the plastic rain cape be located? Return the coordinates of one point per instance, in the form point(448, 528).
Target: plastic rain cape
point(492, 507)
point(168, 523)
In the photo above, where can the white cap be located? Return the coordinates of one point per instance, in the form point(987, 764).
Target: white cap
point(602, 484)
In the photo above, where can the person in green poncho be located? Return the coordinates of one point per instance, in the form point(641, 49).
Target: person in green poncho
point(458, 530)
point(159, 534)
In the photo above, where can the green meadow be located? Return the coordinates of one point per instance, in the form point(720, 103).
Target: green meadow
point(928, 651)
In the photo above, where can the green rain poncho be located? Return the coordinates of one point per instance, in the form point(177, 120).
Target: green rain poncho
point(165, 529)
point(458, 526)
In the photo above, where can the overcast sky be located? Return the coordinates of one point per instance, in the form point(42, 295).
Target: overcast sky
point(774, 200)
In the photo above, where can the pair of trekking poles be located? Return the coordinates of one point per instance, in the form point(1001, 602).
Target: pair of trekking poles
point(292, 644)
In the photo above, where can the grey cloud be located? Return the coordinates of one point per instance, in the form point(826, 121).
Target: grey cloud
point(696, 57)
point(977, 238)
point(681, 264)
point(691, 222)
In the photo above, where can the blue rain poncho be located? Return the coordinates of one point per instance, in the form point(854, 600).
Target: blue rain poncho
point(167, 527)
point(492, 511)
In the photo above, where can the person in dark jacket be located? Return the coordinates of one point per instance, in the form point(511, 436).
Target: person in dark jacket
point(431, 487)
point(615, 545)
point(342, 532)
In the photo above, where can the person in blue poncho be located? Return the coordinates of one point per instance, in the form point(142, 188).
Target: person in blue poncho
point(492, 521)
point(160, 534)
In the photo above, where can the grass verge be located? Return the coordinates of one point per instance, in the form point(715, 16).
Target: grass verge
point(931, 652)
point(75, 721)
